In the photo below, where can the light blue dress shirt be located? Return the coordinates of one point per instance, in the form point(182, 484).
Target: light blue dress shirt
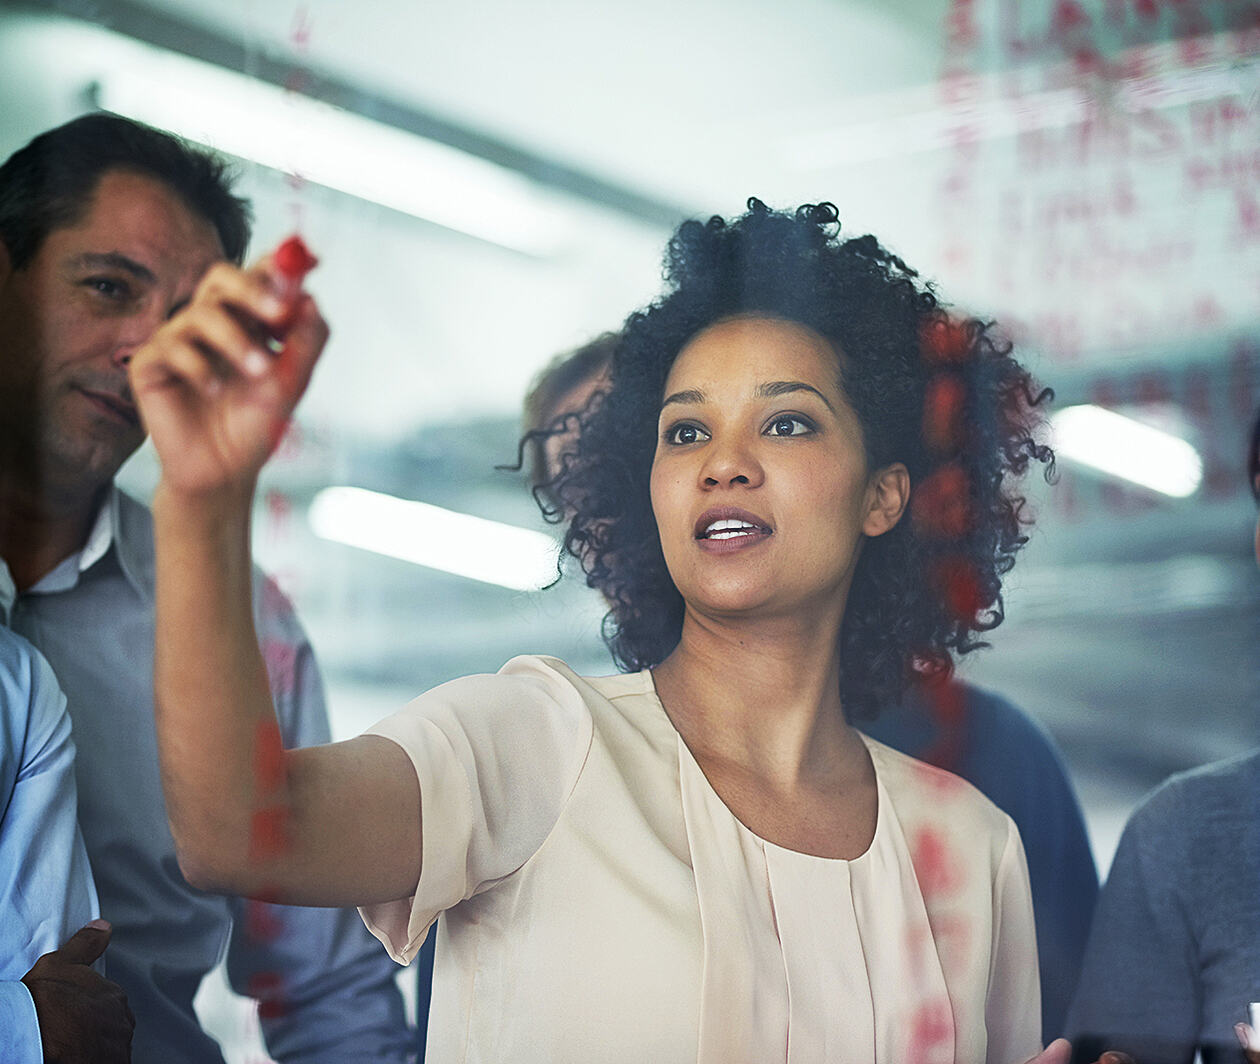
point(326, 986)
point(46, 891)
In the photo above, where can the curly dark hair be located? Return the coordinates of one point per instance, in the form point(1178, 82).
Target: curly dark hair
point(942, 395)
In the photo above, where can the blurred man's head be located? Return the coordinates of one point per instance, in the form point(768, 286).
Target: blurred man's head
point(106, 226)
point(557, 398)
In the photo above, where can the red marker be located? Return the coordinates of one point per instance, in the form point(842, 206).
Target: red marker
point(294, 259)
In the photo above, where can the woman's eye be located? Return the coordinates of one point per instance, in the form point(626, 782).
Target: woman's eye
point(684, 434)
point(789, 426)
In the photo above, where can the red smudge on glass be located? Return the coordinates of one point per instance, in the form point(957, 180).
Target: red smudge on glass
point(941, 506)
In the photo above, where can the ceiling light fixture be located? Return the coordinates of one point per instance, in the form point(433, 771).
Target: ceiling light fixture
point(338, 149)
point(1128, 449)
point(490, 551)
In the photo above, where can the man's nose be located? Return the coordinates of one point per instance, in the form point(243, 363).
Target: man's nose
point(134, 334)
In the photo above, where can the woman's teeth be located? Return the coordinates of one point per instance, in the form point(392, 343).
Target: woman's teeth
point(729, 529)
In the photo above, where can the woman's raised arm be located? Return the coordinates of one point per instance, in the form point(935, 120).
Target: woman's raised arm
point(330, 825)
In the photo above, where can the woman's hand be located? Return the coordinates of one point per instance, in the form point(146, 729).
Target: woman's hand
point(217, 384)
point(1249, 1039)
point(1060, 1052)
point(1057, 1052)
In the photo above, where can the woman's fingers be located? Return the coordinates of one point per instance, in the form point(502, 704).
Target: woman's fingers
point(1249, 1039)
point(217, 384)
point(307, 333)
point(240, 324)
point(234, 314)
point(1057, 1052)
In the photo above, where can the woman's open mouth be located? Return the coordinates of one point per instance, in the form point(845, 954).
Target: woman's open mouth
point(728, 528)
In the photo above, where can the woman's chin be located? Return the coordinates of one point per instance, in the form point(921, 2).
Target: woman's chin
point(739, 604)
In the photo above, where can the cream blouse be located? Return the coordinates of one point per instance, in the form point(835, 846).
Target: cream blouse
point(600, 902)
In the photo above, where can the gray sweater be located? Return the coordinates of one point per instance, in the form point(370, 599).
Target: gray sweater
point(1174, 955)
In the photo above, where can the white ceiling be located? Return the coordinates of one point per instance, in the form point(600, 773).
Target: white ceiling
point(692, 101)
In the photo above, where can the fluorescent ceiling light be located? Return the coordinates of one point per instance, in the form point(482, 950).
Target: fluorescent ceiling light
point(1128, 449)
point(489, 551)
point(329, 146)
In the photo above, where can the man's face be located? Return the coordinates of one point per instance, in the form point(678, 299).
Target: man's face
point(72, 317)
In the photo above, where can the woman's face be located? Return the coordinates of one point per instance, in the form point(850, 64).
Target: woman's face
point(760, 484)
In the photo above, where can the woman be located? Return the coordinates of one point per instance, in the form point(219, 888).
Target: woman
point(699, 859)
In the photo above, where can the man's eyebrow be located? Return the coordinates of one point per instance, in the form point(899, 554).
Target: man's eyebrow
point(692, 395)
point(115, 260)
point(771, 389)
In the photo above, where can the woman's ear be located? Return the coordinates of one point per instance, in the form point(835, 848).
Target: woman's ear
point(887, 495)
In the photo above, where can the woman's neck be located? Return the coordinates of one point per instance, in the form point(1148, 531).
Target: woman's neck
point(763, 695)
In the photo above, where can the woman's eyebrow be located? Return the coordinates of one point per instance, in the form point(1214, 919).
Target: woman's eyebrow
point(771, 389)
point(692, 395)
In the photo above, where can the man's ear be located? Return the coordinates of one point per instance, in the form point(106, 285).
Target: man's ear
point(887, 495)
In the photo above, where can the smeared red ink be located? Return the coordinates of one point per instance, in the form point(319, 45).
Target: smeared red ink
point(947, 701)
point(262, 922)
point(268, 832)
point(267, 988)
point(934, 865)
point(294, 259)
point(931, 1034)
point(279, 431)
point(279, 507)
point(951, 935)
point(1068, 15)
point(941, 506)
point(945, 341)
point(947, 704)
point(268, 755)
point(943, 412)
point(944, 785)
point(280, 658)
point(957, 581)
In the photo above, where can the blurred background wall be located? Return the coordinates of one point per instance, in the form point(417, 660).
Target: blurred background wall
point(492, 182)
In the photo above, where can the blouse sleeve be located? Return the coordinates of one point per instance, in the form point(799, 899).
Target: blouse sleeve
point(1013, 1007)
point(496, 758)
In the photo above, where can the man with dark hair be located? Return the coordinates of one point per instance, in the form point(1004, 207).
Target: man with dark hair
point(49, 183)
point(106, 227)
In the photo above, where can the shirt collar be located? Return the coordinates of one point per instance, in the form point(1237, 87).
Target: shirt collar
point(120, 524)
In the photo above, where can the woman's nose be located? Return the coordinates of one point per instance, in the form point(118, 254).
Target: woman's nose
point(730, 463)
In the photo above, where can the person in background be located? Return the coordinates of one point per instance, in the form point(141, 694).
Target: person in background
point(61, 1011)
point(977, 734)
point(106, 226)
point(1173, 962)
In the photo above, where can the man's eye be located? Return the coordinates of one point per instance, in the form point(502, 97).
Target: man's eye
point(789, 426)
point(685, 433)
point(108, 287)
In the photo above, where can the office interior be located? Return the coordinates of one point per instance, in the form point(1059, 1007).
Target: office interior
point(489, 184)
